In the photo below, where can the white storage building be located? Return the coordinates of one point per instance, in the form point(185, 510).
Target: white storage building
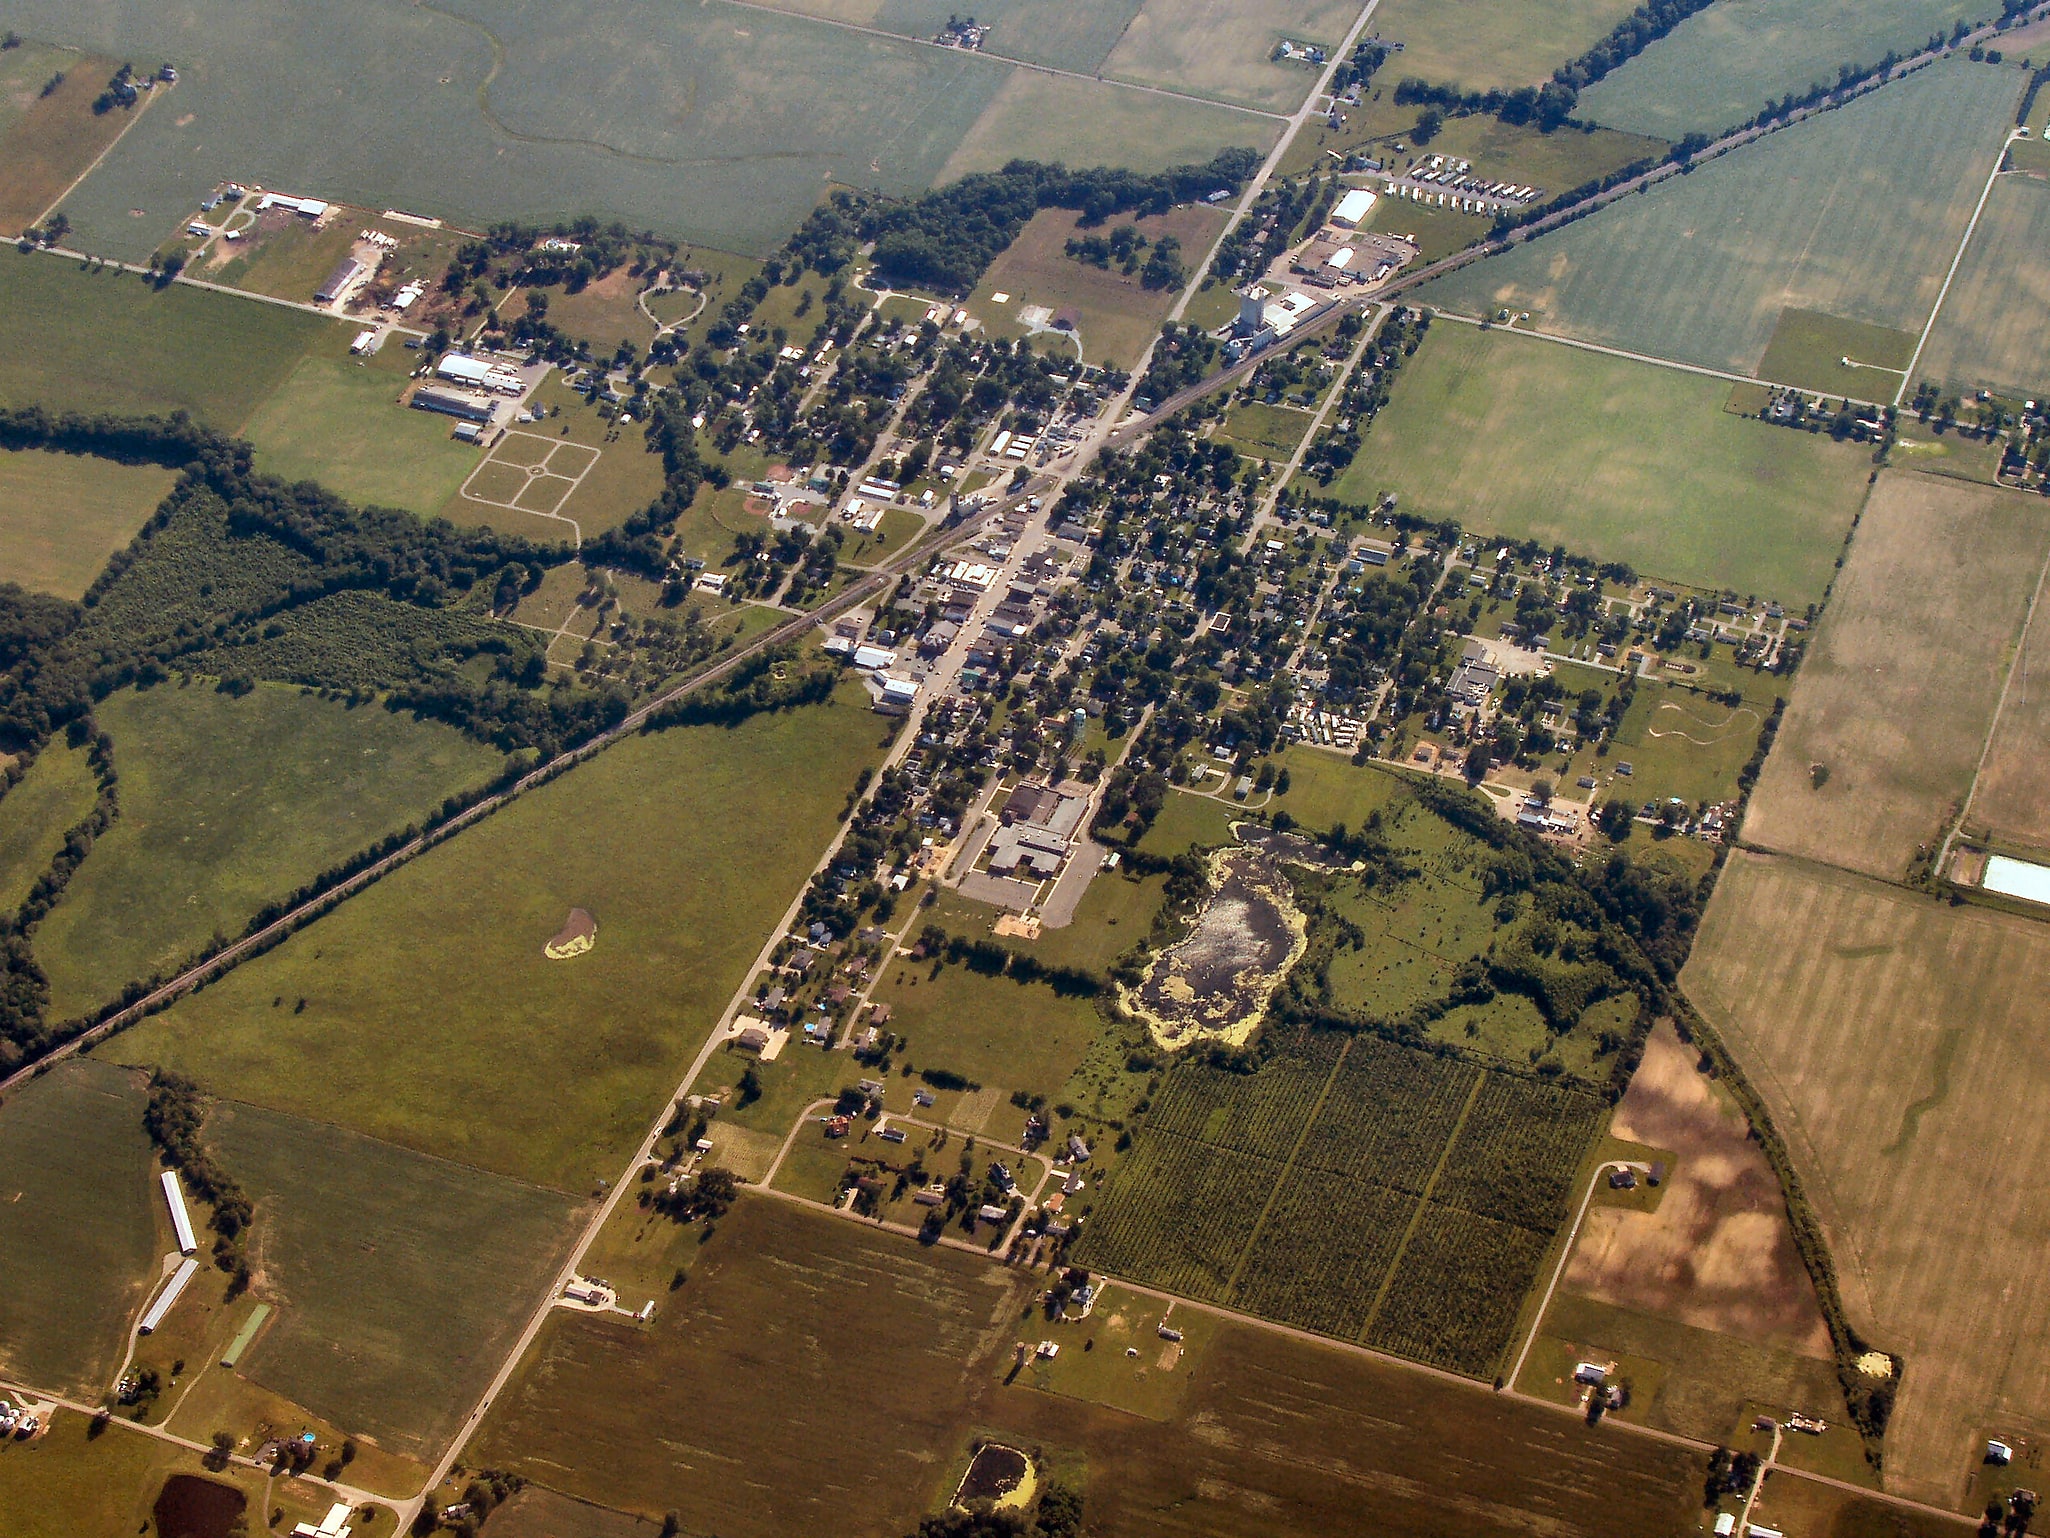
point(181, 1222)
point(1353, 208)
point(180, 1279)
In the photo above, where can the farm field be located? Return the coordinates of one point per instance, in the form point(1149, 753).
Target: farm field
point(1051, 118)
point(1393, 1450)
point(56, 793)
point(79, 1208)
point(1856, 214)
point(1892, 1047)
point(226, 805)
point(399, 1281)
point(182, 348)
point(1894, 700)
point(1224, 48)
point(48, 141)
point(1722, 64)
point(1067, 34)
point(2010, 800)
point(1992, 334)
point(1481, 44)
point(1808, 350)
point(1529, 439)
point(418, 989)
point(336, 420)
point(1113, 315)
point(62, 515)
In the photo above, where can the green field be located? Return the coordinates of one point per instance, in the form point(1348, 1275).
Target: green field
point(1265, 432)
point(999, 1032)
point(182, 348)
point(35, 815)
point(1856, 213)
point(336, 420)
point(62, 515)
point(400, 1281)
point(49, 133)
point(1725, 62)
point(1480, 44)
point(228, 804)
point(1552, 162)
point(1680, 743)
point(1224, 48)
point(1994, 332)
point(1808, 350)
point(1325, 789)
point(79, 1209)
point(1053, 118)
point(431, 1017)
point(1619, 460)
point(1067, 34)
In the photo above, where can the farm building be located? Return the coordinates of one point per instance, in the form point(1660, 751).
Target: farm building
point(181, 1222)
point(348, 271)
point(334, 1525)
point(454, 403)
point(180, 1279)
point(311, 208)
point(1353, 208)
point(457, 369)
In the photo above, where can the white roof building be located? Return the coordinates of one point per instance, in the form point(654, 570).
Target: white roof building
point(181, 1222)
point(1353, 208)
point(469, 371)
point(187, 1269)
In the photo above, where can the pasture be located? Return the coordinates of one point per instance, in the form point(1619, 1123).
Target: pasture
point(2010, 800)
point(228, 804)
point(1481, 44)
point(1114, 316)
point(1077, 123)
point(1895, 1046)
point(1897, 693)
point(1224, 48)
point(49, 141)
point(399, 1281)
point(1992, 333)
point(1530, 439)
point(1723, 63)
point(36, 813)
point(1856, 213)
point(181, 348)
point(430, 1016)
point(336, 420)
point(826, 1312)
point(62, 515)
point(80, 1213)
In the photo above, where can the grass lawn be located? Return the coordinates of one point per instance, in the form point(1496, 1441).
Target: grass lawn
point(1679, 743)
point(1480, 44)
point(399, 1281)
point(1808, 350)
point(1324, 789)
point(81, 1219)
point(284, 256)
point(1723, 63)
point(1080, 123)
point(35, 815)
point(337, 421)
point(1000, 1033)
point(1992, 334)
point(1856, 213)
point(602, 312)
point(431, 1016)
point(624, 479)
point(1225, 48)
point(182, 348)
point(1528, 439)
point(228, 804)
point(1187, 820)
point(62, 515)
point(1265, 432)
point(50, 141)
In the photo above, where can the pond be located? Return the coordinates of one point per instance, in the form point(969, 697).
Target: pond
point(998, 1473)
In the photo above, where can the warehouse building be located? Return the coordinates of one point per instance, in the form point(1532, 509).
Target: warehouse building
point(348, 272)
point(1353, 209)
point(454, 403)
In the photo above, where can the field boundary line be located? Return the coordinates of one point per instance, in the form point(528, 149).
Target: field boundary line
point(1423, 1200)
point(133, 118)
point(1231, 1283)
point(1956, 261)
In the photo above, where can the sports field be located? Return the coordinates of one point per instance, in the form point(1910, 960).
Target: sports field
point(1052, 118)
point(1856, 213)
point(79, 1211)
point(399, 1281)
point(337, 420)
point(432, 1019)
point(1994, 331)
point(62, 515)
point(211, 354)
point(1619, 460)
point(1895, 698)
point(598, 474)
point(1224, 48)
point(1895, 1045)
point(226, 805)
point(48, 141)
point(36, 813)
point(825, 1313)
point(1725, 62)
point(1481, 44)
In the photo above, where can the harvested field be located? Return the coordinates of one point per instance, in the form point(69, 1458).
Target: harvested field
point(1723, 63)
point(1529, 439)
point(1896, 1048)
point(56, 137)
point(538, 1512)
point(1716, 1253)
point(1393, 1451)
point(1482, 44)
point(1052, 118)
point(1894, 701)
point(432, 1019)
point(400, 1281)
point(79, 1221)
point(2010, 800)
point(1856, 213)
point(1994, 332)
point(62, 515)
point(1224, 48)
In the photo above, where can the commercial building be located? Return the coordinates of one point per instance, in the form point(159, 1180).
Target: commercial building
point(311, 208)
point(1353, 209)
point(458, 369)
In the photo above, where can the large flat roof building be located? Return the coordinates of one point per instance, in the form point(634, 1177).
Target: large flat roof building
point(1353, 208)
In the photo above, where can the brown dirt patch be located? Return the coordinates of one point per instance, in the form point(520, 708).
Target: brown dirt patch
point(761, 507)
point(1717, 1252)
point(578, 934)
